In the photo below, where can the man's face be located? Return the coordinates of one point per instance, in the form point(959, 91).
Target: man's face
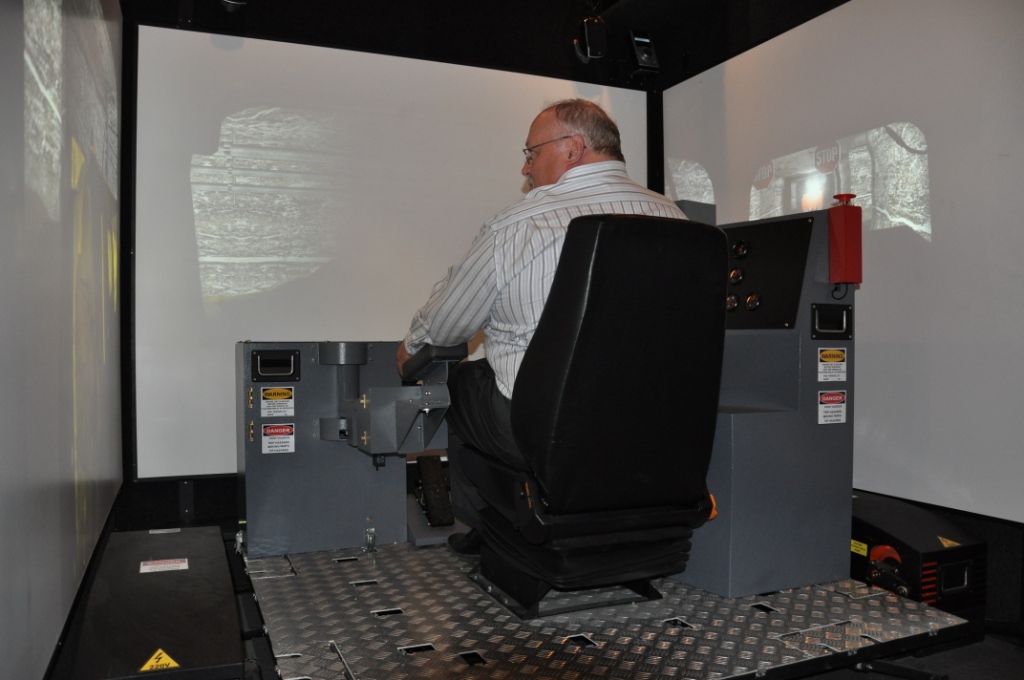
point(546, 164)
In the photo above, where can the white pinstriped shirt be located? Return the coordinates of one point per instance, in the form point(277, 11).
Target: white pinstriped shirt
point(501, 284)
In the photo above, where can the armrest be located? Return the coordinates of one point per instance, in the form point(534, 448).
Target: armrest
point(429, 355)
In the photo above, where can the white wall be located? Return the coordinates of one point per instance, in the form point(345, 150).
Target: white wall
point(938, 337)
point(409, 159)
point(59, 355)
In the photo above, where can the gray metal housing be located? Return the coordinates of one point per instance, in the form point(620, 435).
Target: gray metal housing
point(337, 479)
point(782, 467)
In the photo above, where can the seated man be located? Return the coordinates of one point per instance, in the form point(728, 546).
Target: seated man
point(574, 166)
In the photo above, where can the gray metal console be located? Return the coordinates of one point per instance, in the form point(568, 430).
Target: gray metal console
point(782, 467)
point(323, 429)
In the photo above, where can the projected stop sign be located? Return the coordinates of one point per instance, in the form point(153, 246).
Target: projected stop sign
point(826, 157)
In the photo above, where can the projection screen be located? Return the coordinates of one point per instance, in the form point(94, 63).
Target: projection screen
point(289, 193)
point(937, 328)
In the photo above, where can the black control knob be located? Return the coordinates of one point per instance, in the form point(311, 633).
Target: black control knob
point(753, 302)
point(735, 276)
point(731, 302)
point(740, 249)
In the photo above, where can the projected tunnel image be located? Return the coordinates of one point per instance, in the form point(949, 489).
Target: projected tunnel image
point(71, 172)
point(263, 203)
point(887, 169)
point(689, 181)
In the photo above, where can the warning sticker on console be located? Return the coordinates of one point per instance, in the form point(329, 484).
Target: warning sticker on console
point(832, 407)
point(277, 402)
point(831, 364)
point(279, 438)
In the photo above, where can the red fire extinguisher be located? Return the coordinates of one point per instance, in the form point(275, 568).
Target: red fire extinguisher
point(844, 241)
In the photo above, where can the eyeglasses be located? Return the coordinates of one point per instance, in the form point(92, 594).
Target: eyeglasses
point(528, 151)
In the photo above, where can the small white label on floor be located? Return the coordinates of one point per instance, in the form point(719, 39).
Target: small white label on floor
point(163, 565)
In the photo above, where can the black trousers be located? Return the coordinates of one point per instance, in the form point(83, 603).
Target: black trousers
point(478, 417)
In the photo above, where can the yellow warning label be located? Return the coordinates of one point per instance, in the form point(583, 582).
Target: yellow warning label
point(859, 548)
point(160, 661)
point(947, 543)
point(277, 393)
point(832, 355)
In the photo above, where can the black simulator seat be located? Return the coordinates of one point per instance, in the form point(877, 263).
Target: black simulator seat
point(614, 410)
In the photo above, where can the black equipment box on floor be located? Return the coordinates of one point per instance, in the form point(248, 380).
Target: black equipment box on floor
point(919, 555)
point(162, 605)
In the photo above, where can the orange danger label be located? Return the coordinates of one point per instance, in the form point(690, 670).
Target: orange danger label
point(159, 661)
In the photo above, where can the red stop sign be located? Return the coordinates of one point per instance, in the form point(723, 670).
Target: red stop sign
point(764, 175)
point(826, 157)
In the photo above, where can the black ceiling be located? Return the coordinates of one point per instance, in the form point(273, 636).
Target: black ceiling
point(525, 36)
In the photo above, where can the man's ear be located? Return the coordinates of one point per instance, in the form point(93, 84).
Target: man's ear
point(575, 148)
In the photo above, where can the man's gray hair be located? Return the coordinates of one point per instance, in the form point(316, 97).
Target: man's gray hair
point(589, 120)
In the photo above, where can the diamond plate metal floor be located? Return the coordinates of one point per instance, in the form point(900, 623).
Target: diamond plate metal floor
point(405, 612)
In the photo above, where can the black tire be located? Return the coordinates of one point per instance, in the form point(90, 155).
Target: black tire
point(435, 500)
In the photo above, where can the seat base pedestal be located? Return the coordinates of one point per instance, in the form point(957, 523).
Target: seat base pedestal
point(528, 597)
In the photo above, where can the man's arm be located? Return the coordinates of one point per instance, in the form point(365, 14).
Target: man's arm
point(402, 356)
point(459, 304)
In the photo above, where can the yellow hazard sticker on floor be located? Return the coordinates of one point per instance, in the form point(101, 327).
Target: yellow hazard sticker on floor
point(160, 661)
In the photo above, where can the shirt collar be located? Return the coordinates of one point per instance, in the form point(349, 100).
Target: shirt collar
point(616, 167)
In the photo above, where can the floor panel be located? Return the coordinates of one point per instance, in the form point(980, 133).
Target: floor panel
point(406, 612)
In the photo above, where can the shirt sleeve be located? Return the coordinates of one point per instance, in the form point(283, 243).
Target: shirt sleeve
point(461, 302)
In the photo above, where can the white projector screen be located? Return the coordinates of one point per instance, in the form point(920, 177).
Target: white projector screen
point(292, 193)
point(929, 138)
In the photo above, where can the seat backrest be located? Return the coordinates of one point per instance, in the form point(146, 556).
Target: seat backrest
point(615, 403)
